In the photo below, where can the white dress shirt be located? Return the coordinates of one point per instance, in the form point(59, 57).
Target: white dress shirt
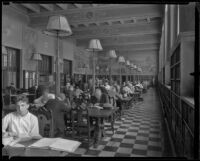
point(21, 125)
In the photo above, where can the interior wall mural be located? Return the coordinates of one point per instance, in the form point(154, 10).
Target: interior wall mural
point(30, 39)
point(82, 61)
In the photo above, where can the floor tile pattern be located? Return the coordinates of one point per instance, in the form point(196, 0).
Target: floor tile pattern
point(139, 133)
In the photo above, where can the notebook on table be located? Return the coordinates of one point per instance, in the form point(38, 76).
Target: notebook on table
point(56, 144)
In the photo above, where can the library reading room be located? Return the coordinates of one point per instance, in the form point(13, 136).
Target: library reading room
point(100, 80)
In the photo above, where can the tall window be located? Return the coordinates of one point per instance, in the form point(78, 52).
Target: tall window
point(67, 69)
point(45, 66)
point(29, 79)
point(10, 67)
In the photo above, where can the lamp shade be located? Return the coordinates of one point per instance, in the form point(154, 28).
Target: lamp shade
point(132, 66)
point(4, 51)
point(121, 59)
point(128, 63)
point(112, 54)
point(36, 56)
point(140, 69)
point(95, 45)
point(97, 67)
point(58, 25)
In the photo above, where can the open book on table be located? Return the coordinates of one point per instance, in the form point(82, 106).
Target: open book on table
point(56, 144)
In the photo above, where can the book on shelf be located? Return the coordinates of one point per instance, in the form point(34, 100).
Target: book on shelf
point(56, 144)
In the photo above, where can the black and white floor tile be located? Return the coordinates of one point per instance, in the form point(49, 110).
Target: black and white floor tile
point(139, 133)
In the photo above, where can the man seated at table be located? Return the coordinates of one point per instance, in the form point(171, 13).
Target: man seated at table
point(100, 96)
point(107, 86)
point(139, 85)
point(45, 97)
point(60, 107)
point(77, 91)
point(69, 91)
point(21, 123)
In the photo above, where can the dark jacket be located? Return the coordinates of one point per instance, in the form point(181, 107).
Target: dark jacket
point(104, 99)
point(59, 108)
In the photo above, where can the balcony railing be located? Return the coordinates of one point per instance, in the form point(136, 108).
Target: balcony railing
point(179, 113)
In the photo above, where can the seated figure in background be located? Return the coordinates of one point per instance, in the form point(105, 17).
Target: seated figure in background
point(45, 97)
point(100, 96)
point(12, 88)
point(69, 91)
point(6, 96)
point(77, 91)
point(20, 123)
point(139, 87)
point(60, 107)
point(107, 86)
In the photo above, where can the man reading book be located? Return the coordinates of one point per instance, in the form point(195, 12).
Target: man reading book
point(20, 123)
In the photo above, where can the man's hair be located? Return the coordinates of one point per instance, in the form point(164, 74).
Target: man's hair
point(61, 95)
point(22, 98)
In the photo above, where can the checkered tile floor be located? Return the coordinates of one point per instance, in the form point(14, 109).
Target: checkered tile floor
point(139, 133)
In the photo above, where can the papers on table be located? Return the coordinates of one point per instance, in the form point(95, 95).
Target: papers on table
point(7, 140)
point(98, 107)
point(56, 144)
point(11, 141)
point(65, 145)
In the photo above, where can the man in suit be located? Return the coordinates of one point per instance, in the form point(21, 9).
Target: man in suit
point(59, 107)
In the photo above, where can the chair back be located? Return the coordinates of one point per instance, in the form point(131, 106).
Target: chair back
point(45, 121)
point(112, 101)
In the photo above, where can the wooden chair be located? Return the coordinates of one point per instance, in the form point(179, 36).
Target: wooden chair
point(118, 111)
point(81, 123)
point(45, 121)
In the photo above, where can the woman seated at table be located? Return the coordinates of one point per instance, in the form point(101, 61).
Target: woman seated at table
point(21, 123)
point(139, 87)
point(100, 97)
point(60, 107)
point(45, 97)
point(117, 96)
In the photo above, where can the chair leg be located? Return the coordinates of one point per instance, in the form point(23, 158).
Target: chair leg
point(112, 124)
point(88, 138)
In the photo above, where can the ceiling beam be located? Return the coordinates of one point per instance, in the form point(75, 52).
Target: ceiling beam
point(19, 8)
point(134, 29)
point(150, 51)
point(106, 13)
point(132, 43)
point(122, 40)
point(78, 5)
point(94, 5)
point(134, 46)
point(62, 6)
point(32, 7)
point(49, 7)
point(132, 49)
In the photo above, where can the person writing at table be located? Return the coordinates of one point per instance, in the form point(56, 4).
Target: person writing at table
point(21, 123)
point(42, 100)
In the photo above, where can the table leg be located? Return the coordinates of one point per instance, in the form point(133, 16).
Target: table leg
point(102, 128)
point(97, 133)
